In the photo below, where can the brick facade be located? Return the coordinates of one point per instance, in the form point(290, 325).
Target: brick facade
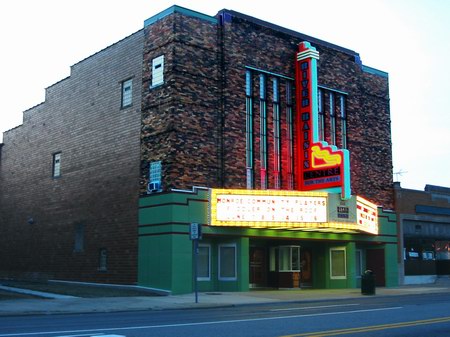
point(194, 123)
point(99, 144)
point(423, 220)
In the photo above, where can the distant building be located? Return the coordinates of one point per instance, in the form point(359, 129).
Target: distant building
point(262, 135)
point(424, 233)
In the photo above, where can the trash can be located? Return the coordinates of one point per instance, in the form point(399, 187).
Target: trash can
point(368, 283)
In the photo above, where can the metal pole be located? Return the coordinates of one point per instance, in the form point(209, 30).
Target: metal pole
point(195, 269)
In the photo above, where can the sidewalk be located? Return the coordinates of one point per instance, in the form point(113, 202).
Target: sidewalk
point(64, 305)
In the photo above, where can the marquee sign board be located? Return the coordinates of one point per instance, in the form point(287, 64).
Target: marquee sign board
point(277, 209)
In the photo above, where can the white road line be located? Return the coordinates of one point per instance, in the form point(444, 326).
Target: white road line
point(318, 307)
point(89, 335)
point(198, 323)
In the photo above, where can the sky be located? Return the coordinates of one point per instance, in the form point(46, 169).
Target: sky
point(409, 39)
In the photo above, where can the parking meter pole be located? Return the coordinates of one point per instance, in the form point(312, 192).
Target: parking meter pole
point(195, 269)
point(195, 234)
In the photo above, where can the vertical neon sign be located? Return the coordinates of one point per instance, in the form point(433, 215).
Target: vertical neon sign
point(319, 166)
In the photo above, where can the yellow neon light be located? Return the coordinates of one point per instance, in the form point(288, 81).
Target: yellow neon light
point(367, 216)
point(324, 158)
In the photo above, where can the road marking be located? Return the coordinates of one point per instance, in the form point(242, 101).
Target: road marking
point(86, 335)
point(371, 328)
point(318, 307)
point(91, 335)
point(198, 323)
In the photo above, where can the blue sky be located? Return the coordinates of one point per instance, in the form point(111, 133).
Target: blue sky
point(406, 38)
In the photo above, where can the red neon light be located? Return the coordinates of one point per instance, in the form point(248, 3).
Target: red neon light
point(319, 165)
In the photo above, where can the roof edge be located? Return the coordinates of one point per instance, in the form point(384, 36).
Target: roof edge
point(288, 31)
point(178, 9)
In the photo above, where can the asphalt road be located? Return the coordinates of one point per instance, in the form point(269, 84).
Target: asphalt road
point(412, 316)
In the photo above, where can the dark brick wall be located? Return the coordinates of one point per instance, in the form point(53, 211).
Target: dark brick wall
point(181, 119)
point(369, 138)
point(99, 144)
point(205, 85)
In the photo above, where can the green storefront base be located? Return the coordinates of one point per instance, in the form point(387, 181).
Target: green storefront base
point(166, 251)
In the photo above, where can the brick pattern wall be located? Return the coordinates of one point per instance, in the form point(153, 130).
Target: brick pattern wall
point(206, 63)
point(181, 118)
point(98, 188)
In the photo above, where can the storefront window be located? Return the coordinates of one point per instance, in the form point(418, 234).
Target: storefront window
point(423, 249)
point(337, 263)
point(442, 250)
point(289, 258)
point(204, 263)
point(227, 262)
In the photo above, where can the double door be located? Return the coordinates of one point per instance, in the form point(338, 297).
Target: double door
point(280, 267)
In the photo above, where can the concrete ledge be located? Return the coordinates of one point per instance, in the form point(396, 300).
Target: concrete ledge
point(35, 293)
point(420, 279)
point(161, 292)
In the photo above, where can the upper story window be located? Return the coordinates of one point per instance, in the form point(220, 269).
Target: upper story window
point(332, 106)
point(79, 238)
point(343, 121)
point(56, 172)
point(154, 176)
point(127, 92)
point(158, 71)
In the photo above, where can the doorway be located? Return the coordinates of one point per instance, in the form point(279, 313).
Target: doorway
point(306, 268)
point(375, 262)
point(258, 267)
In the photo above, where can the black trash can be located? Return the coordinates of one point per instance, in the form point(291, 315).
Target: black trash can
point(368, 283)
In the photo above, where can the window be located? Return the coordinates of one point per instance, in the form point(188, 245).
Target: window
point(332, 120)
point(56, 165)
point(289, 258)
point(290, 136)
point(154, 177)
point(204, 263)
point(332, 116)
point(276, 135)
point(127, 93)
point(337, 263)
point(263, 130)
point(249, 128)
point(158, 71)
point(227, 262)
point(343, 122)
point(102, 259)
point(79, 238)
point(321, 115)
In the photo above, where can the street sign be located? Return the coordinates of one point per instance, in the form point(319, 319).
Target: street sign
point(195, 231)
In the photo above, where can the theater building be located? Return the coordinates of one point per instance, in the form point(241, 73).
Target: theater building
point(275, 144)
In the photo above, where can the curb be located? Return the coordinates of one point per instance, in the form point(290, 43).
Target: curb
point(36, 293)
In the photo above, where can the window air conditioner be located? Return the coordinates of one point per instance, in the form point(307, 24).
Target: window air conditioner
point(154, 186)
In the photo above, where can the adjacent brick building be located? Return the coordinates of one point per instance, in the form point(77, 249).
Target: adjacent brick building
point(423, 218)
point(212, 104)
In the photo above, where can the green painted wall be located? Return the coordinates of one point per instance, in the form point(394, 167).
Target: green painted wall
point(165, 249)
point(388, 226)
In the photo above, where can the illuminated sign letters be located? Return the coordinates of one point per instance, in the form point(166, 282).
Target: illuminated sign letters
point(319, 166)
point(366, 216)
point(278, 209)
point(267, 208)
